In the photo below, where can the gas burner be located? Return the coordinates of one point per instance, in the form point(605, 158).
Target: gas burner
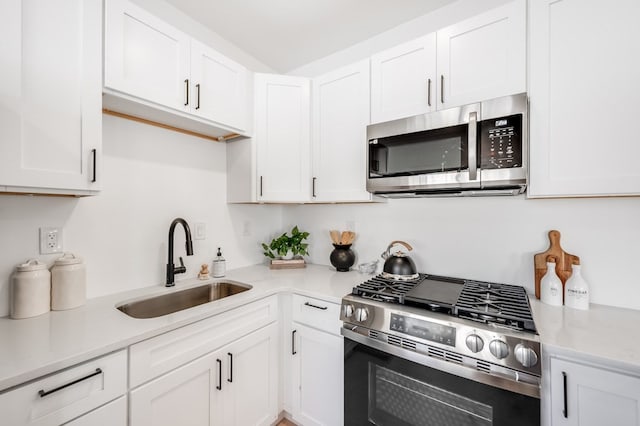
point(395, 277)
point(384, 289)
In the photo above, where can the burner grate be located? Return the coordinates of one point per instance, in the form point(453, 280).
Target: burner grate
point(384, 289)
point(495, 303)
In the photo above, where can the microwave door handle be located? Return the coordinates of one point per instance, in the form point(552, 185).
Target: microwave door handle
point(472, 141)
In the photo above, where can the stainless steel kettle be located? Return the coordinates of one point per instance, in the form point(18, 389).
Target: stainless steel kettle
point(398, 265)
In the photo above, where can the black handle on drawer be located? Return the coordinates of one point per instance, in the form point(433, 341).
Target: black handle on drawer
point(324, 308)
point(565, 412)
point(44, 393)
point(230, 379)
point(219, 387)
point(293, 342)
point(198, 96)
point(186, 87)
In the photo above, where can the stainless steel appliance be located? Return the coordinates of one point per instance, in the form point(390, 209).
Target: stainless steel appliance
point(440, 351)
point(472, 150)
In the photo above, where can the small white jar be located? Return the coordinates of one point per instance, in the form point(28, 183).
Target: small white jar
point(576, 290)
point(68, 283)
point(30, 290)
point(551, 286)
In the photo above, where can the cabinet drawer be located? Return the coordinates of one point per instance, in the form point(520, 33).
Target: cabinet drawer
point(156, 356)
point(112, 414)
point(317, 313)
point(65, 395)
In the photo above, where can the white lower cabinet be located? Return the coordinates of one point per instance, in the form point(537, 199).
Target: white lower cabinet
point(235, 385)
point(69, 394)
point(317, 363)
point(111, 414)
point(589, 395)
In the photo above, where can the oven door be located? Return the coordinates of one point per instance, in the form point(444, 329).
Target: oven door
point(433, 151)
point(383, 388)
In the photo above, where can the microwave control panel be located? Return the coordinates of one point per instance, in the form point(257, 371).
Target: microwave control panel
point(501, 142)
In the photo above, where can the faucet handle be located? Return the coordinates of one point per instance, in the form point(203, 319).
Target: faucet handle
point(180, 269)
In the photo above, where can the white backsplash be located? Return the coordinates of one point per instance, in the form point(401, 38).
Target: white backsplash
point(493, 238)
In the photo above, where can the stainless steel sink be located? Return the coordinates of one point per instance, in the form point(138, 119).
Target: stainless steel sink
point(158, 306)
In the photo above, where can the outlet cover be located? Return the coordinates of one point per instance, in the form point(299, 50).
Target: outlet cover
point(201, 231)
point(50, 240)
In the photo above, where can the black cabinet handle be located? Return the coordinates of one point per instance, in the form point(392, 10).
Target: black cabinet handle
point(219, 387)
point(44, 393)
point(230, 379)
point(186, 85)
point(293, 342)
point(442, 88)
point(198, 96)
point(429, 91)
point(565, 411)
point(313, 187)
point(95, 164)
point(323, 308)
point(261, 186)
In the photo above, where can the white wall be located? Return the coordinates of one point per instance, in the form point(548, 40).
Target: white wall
point(415, 28)
point(492, 239)
point(150, 176)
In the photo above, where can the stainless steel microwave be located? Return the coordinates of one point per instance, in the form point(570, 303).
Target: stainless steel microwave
point(472, 150)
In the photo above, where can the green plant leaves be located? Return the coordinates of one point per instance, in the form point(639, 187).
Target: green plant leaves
point(281, 245)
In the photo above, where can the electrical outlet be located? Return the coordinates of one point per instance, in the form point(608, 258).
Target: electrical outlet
point(351, 225)
point(50, 240)
point(201, 231)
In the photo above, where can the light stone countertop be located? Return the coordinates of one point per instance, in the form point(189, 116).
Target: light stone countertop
point(34, 347)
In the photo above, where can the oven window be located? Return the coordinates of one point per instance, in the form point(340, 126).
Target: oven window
point(395, 398)
point(430, 151)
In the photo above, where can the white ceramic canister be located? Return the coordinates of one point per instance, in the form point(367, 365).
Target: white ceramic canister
point(30, 290)
point(576, 290)
point(550, 285)
point(68, 283)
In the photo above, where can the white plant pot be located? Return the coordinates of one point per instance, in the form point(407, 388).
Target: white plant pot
point(287, 256)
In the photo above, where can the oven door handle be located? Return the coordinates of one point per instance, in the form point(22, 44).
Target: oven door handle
point(472, 145)
point(499, 381)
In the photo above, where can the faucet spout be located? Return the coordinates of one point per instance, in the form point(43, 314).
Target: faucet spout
point(171, 268)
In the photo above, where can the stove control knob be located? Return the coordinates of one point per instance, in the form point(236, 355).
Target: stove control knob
point(361, 314)
point(525, 356)
point(498, 348)
point(348, 311)
point(474, 343)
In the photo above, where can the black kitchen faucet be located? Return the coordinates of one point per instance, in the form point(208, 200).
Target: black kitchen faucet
point(171, 268)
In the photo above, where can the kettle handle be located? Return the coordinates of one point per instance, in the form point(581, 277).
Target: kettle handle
point(387, 252)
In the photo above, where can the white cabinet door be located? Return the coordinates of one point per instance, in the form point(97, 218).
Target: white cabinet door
point(282, 136)
point(594, 396)
point(188, 395)
point(218, 86)
point(317, 377)
point(50, 96)
point(483, 57)
point(584, 96)
point(111, 414)
point(403, 80)
point(145, 57)
point(340, 116)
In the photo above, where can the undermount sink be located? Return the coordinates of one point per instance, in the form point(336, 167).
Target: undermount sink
point(158, 306)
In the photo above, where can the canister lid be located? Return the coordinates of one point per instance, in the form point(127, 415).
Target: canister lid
point(68, 259)
point(31, 265)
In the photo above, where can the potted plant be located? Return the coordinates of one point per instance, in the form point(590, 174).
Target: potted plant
point(287, 246)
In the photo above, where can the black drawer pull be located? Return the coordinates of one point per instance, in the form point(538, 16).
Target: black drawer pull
point(44, 393)
point(323, 308)
point(293, 342)
point(230, 379)
point(95, 165)
point(219, 387)
point(565, 411)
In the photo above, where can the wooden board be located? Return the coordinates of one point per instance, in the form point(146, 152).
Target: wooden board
point(287, 264)
point(564, 261)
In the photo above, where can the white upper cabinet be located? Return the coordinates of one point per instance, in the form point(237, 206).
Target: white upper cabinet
point(50, 96)
point(584, 95)
point(219, 87)
point(483, 57)
point(156, 72)
point(403, 80)
point(340, 116)
point(144, 56)
point(282, 137)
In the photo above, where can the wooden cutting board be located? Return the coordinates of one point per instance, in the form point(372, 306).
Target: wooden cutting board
point(564, 261)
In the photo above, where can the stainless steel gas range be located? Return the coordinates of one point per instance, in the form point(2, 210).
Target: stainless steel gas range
point(440, 351)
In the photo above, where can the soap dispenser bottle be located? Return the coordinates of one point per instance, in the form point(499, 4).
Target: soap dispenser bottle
point(219, 268)
point(576, 290)
point(550, 285)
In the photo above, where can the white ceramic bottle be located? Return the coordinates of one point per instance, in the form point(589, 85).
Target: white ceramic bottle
point(550, 285)
point(68, 283)
point(576, 290)
point(30, 290)
point(219, 268)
